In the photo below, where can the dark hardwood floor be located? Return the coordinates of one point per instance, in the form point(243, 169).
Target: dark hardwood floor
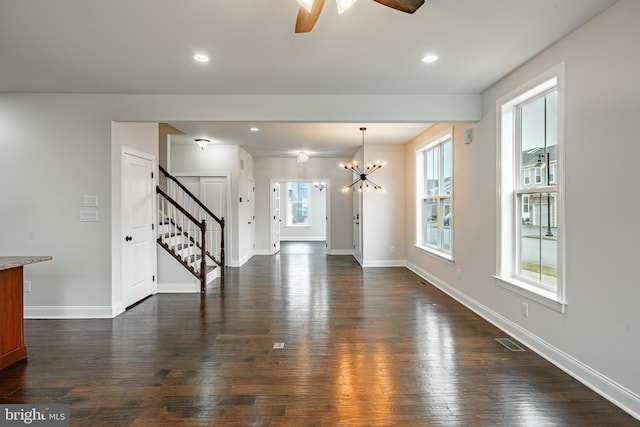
point(365, 347)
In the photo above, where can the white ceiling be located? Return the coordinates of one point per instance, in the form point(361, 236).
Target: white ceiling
point(146, 46)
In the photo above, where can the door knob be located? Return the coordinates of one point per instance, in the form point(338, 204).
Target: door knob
point(128, 239)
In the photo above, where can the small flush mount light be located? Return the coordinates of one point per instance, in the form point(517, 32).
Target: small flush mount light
point(203, 143)
point(303, 157)
point(254, 129)
point(201, 57)
point(429, 58)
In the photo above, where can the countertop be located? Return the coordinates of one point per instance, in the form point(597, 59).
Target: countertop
point(7, 262)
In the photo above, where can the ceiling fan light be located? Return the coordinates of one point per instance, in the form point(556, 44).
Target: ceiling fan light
point(307, 4)
point(344, 5)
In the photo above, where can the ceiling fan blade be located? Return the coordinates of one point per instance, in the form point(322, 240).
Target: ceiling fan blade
point(306, 20)
point(408, 6)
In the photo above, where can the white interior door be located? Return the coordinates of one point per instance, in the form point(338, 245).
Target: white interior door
point(276, 222)
point(138, 242)
point(213, 193)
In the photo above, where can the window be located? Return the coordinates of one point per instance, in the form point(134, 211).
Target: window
point(538, 176)
point(298, 204)
point(525, 207)
point(531, 237)
point(434, 166)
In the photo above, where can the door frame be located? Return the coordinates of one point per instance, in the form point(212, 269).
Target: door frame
point(327, 196)
point(272, 214)
point(251, 199)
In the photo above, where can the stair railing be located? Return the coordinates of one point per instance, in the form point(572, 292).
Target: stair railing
point(175, 222)
point(214, 233)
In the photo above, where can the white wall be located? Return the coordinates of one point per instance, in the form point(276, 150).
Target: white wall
point(597, 339)
point(383, 216)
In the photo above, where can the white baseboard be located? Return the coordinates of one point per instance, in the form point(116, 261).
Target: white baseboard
point(69, 312)
point(303, 239)
point(619, 395)
point(262, 252)
point(340, 252)
point(179, 288)
point(384, 263)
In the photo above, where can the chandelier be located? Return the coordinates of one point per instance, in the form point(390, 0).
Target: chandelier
point(362, 175)
point(320, 185)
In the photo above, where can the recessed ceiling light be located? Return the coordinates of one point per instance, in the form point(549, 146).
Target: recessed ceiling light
point(254, 129)
point(429, 58)
point(201, 57)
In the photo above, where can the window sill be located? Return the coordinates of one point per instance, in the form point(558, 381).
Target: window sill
point(443, 256)
point(546, 298)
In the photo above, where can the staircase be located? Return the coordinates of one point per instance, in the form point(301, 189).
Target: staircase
point(189, 231)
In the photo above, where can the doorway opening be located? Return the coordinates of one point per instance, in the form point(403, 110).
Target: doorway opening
point(301, 220)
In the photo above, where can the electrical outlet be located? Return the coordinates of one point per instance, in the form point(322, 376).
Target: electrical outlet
point(26, 286)
point(392, 249)
point(524, 308)
point(459, 274)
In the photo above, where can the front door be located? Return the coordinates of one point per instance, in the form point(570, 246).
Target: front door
point(138, 243)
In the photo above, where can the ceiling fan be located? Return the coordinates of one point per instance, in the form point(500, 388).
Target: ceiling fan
point(310, 10)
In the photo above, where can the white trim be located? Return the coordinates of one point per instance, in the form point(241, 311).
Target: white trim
point(619, 395)
point(442, 256)
point(506, 148)
point(68, 312)
point(385, 263)
point(303, 239)
point(532, 292)
point(262, 252)
point(179, 288)
point(446, 135)
point(340, 252)
point(242, 261)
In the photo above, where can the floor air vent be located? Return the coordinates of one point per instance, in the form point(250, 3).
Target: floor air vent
point(509, 344)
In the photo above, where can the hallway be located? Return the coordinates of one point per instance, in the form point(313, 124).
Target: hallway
point(362, 347)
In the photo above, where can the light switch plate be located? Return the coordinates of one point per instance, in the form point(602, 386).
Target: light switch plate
point(88, 216)
point(90, 201)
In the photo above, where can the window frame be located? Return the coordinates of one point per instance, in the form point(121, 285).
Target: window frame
point(509, 206)
point(438, 141)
